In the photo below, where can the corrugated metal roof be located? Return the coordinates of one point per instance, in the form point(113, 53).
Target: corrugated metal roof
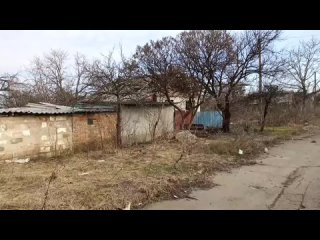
point(136, 103)
point(48, 109)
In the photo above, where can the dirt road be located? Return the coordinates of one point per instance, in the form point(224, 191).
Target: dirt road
point(287, 177)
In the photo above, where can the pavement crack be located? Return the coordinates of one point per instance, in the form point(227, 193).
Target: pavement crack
point(310, 166)
point(256, 187)
point(303, 196)
point(290, 179)
point(299, 182)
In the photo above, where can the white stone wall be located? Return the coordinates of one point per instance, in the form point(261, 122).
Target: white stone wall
point(31, 136)
point(138, 122)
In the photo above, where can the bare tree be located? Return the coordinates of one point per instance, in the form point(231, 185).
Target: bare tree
point(81, 78)
point(271, 71)
point(14, 92)
point(158, 64)
point(6, 81)
point(269, 93)
point(220, 61)
point(53, 81)
point(302, 63)
point(110, 82)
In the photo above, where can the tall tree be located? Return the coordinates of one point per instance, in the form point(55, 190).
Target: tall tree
point(158, 64)
point(80, 78)
point(220, 61)
point(110, 81)
point(302, 63)
point(271, 72)
point(53, 80)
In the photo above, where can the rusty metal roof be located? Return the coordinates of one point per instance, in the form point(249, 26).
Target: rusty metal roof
point(52, 109)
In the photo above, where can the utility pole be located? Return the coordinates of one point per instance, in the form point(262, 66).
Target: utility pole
point(260, 79)
point(314, 91)
point(315, 82)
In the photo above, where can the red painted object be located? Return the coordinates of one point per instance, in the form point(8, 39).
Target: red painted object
point(178, 120)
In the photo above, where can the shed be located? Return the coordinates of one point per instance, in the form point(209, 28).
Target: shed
point(45, 129)
point(144, 122)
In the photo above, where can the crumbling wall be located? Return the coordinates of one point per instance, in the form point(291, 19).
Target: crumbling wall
point(138, 122)
point(94, 131)
point(34, 136)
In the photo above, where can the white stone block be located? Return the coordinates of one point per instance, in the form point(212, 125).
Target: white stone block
point(3, 127)
point(61, 130)
point(26, 132)
point(44, 138)
point(61, 118)
point(44, 149)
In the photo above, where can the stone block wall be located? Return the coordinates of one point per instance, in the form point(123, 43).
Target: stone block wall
point(34, 136)
point(30, 136)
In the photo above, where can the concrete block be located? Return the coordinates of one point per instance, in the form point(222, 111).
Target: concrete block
point(46, 144)
point(3, 127)
point(43, 124)
point(44, 138)
point(16, 134)
point(16, 140)
point(60, 130)
point(52, 118)
point(26, 132)
point(66, 135)
point(18, 160)
point(61, 118)
point(45, 149)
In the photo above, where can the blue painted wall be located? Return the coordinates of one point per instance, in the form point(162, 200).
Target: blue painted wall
point(209, 119)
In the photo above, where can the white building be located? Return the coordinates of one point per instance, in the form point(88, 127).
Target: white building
point(143, 123)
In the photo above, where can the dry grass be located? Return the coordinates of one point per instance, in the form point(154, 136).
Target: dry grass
point(252, 143)
point(140, 174)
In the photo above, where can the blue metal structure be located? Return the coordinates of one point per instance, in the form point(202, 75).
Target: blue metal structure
point(209, 119)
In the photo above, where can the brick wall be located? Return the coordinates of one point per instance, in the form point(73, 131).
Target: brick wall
point(32, 136)
point(94, 131)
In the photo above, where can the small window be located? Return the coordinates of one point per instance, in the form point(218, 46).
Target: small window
point(188, 105)
point(90, 121)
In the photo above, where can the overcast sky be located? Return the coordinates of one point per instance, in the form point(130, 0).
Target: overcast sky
point(18, 48)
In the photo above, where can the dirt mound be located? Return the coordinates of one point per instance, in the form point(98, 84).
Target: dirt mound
point(186, 137)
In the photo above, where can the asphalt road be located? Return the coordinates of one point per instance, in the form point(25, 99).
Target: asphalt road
point(287, 177)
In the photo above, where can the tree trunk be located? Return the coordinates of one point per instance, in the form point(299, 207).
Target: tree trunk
point(303, 104)
point(193, 114)
point(119, 142)
point(154, 129)
point(304, 98)
point(260, 83)
point(226, 118)
point(183, 119)
point(226, 115)
point(183, 116)
point(265, 112)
